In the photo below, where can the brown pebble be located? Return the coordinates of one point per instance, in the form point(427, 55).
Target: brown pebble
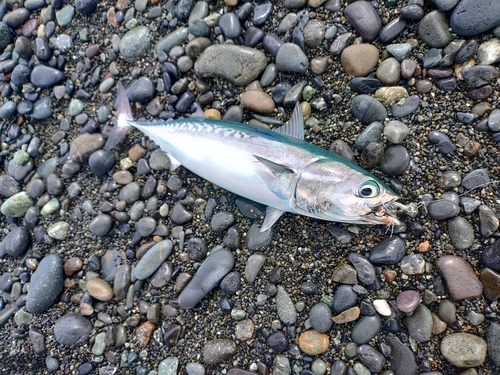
point(99, 289)
point(72, 266)
point(212, 114)
point(244, 329)
point(123, 177)
point(424, 247)
point(313, 342)
point(438, 326)
point(136, 152)
point(257, 101)
point(423, 86)
point(491, 284)
point(460, 277)
point(84, 145)
point(347, 316)
point(111, 17)
point(144, 333)
point(359, 59)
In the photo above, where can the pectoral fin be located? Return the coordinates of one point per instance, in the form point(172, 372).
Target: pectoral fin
point(279, 178)
point(272, 216)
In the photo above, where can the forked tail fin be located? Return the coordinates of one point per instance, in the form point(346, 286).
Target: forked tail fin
point(123, 125)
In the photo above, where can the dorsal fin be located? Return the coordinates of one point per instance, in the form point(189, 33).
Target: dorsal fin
point(295, 127)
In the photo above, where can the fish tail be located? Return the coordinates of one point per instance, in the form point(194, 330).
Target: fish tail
point(123, 124)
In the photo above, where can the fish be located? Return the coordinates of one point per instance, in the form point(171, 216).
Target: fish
point(274, 167)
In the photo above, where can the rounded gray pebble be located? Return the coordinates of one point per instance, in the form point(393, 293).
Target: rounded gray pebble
point(321, 317)
point(253, 266)
point(461, 233)
point(100, 225)
point(291, 59)
point(221, 221)
point(72, 329)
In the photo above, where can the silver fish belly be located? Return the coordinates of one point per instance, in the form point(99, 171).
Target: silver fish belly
point(276, 168)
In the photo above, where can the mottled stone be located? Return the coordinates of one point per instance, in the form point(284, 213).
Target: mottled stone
point(460, 277)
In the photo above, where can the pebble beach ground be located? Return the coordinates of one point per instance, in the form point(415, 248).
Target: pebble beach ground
point(112, 264)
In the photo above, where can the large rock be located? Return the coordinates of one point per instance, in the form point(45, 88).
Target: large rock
point(240, 65)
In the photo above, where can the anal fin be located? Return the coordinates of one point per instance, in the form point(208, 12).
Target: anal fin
point(272, 216)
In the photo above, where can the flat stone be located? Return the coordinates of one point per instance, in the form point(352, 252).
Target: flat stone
point(358, 60)
point(152, 260)
point(238, 64)
point(460, 277)
point(217, 350)
point(72, 329)
point(464, 350)
point(491, 284)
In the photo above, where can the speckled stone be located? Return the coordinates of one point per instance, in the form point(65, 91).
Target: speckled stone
point(99, 289)
point(46, 284)
point(464, 350)
point(217, 350)
point(313, 342)
point(460, 277)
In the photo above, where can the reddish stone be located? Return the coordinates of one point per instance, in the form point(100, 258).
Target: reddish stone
point(460, 277)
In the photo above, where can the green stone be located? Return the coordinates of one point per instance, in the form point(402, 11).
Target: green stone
point(99, 344)
point(65, 15)
point(308, 93)
point(59, 230)
point(391, 3)
point(327, 300)
point(21, 157)
point(168, 366)
point(17, 205)
point(75, 107)
point(51, 207)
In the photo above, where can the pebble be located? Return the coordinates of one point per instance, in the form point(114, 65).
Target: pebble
point(420, 324)
point(461, 233)
point(193, 368)
point(285, 307)
point(364, 19)
point(16, 205)
point(464, 350)
point(218, 264)
point(460, 277)
point(396, 131)
point(491, 284)
point(367, 109)
point(238, 64)
point(46, 284)
point(59, 230)
point(371, 358)
point(253, 266)
point(320, 317)
point(433, 29)
point(491, 256)
point(365, 329)
point(99, 289)
point(413, 264)
point(231, 283)
point(168, 366)
point(402, 358)
point(230, 25)
point(493, 342)
point(358, 60)
point(313, 342)
point(100, 225)
point(408, 300)
point(390, 251)
point(470, 18)
point(72, 329)
point(152, 260)
point(347, 316)
point(395, 160)
point(344, 298)
point(256, 239)
point(257, 101)
point(291, 59)
point(488, 222)
point(442, 209)
point(217, 350)
point(281, 365)
point(101, 162)
point(278, 341)
point(389, 71)
point(16, 243)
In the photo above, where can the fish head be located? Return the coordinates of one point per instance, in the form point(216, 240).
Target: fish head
point(343, 192)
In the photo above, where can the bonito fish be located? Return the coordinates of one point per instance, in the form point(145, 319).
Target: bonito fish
point(274, 167)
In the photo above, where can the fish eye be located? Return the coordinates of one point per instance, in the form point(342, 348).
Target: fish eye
point(368, 189)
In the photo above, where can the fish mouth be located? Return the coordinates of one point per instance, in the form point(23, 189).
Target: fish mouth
point(384, 213)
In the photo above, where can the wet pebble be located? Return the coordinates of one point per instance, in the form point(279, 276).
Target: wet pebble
point(285, 306)
point(365, 329)
point(395, 160)
point(367, 109)
point(72, 329)
point(152, 260)
point(461, 233)
point(420, 324)
point(218, 264)
point(253, 266)
point(99, 289)
point(101, 162)
point(442, 209)
point(364, 19)
point(291, 58)
point(371, 358)
point(460, 277)
point(46, 284)
point(390, 251)
point(217, 350)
